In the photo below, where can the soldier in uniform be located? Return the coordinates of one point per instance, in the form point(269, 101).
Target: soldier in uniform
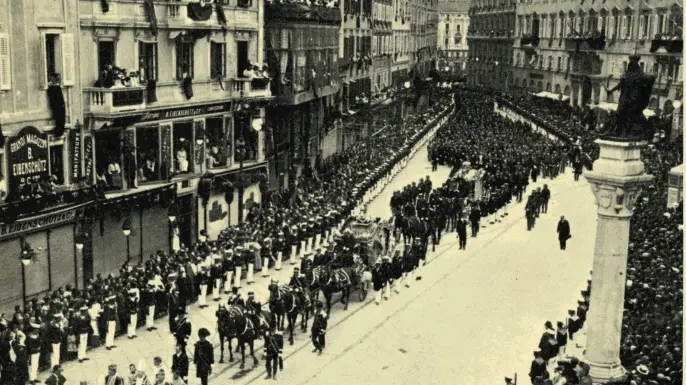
point(82, 328)
point(235, 298)
point(273, 349)
point(377, 281)
point(183, 329)
point(238, 260)
point(297, 281)
point(204, 276)
point(55, 335)
point(396, 271)
point(475, 218)
point(307, 263)
point(110, 317)
point(530, 212)
point(319, 329)
point(148, 305)
point(409, 263)
point(34, 344)
point(254, 309)
point(217, 273)
point(461, 228)
point(386, 276)
point(132, 307)
point(174, 307)
point(228, 267)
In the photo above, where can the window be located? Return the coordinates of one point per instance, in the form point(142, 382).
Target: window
point(183, 148)
point(644, 26)
point(148, 153)
point(218, 142)
point(58, 58)
point(217, 60)
point(105, 54)
point(147, 60)
point(108, 151)
point(242, 57)
point(447, 29)
point(559, 63)
point(447, 42)
point(628, 26)
point(5, 64)
point(184, 59)
point(56, 165)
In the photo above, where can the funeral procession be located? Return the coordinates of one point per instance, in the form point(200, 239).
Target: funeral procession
point(341, 192)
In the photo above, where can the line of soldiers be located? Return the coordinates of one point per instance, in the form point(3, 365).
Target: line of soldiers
point(389, 273)
point(536, 203)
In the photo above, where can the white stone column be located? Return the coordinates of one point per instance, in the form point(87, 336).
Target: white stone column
point(617, 179)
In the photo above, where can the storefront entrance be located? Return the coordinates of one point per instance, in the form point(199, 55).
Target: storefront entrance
point(184, 220)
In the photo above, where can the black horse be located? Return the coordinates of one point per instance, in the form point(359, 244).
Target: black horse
point(286, 303)
point(340, 280)
point(242, 327)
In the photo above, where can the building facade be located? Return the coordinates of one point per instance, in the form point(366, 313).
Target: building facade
point(576, 51)
point(135, 114)
point(423, 25)
point(402, 47)
point(490, 39)
point(303, 57)
point(453, 24)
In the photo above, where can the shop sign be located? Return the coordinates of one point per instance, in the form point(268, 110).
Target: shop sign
point(185, 112)
point(27, 158)
point(38, 222)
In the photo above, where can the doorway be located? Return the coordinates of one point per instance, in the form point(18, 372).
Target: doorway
point(185, 218)
point(586, 92)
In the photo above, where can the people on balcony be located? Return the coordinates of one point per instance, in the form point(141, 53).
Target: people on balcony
point(215, 157)
point(182, 157)
point(149, 171)
point(113, 175)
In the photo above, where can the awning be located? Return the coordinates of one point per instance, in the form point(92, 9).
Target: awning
point(613, 107)
point(552, 95)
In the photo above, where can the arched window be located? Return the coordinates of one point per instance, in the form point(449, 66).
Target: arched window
point(558, 89)
point(548, 88)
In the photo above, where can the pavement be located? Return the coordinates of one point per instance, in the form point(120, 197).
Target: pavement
point(475, 317)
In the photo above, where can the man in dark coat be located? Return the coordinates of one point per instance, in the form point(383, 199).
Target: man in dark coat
point(474, 218)
point(319, 326)
point(461, 228)
point(273, 349)
point(183, 329)
point(203, 356)
point(563, 232)
point(545, 197)
point(180, 363)
point(377, 281)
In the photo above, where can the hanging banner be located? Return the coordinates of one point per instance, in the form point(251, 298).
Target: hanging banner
point(75, 152)
point(88, 159)
point(27, 158)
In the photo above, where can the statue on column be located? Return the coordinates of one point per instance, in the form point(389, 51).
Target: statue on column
point(635, 88)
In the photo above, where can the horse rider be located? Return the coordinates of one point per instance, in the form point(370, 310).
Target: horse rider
point(307, 263)
point(235, 298)
point(254, 310)
point(297, 281)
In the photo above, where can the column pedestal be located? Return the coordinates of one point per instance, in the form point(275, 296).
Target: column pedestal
point(617, 179)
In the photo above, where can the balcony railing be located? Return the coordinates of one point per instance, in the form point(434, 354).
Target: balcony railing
point(113, 100)
point(249, 88)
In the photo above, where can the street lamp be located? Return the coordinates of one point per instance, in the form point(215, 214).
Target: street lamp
point(126, 229)
point(171, 214)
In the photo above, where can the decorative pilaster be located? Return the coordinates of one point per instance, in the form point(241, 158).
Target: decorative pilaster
point(616, 180)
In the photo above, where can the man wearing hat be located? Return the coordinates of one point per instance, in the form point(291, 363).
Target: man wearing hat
point(386, 275)
point(204, 277)
point(148, 304)
point(396, 270)
point(83, 327)
point(55, 335)
point(132, 307)
point(183, 329)
point(34, 344)
point(235, 298)
point(112, 378)
point(228, 267)
point(307, 263)
point(203, 356)
point(319, 329)
point(297, 281)
point(572, 324)
point(56, 378)
point(273, 349)
point(377, 281)
point(217, 273)
point(110, 316)
point(538, 369)
point(254, 309)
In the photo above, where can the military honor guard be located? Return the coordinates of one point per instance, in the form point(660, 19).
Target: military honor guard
point(110, 314)
point(82, 327)
point(203, 356)
point(386, 276)
point(55, 335)
point(34, 343)
point(319, 329)
point(409, 263)
point(132, 307)
point(229, 267)
point(377, 281)
point(396, 271)
point(183, 329)
point(238, 264)
point(148, 304)
point(204, 274)
point(217, 273)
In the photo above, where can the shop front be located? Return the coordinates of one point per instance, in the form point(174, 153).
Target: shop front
point(51, 260)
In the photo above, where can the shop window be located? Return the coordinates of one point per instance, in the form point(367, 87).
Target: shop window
point(217, 60)
point(242, 57)
point(184, 59)
point(106, 53)
point(218, 142)
point(56, 165)
point(148, 153)
point(183, 147)
point(108, 151)
point(147, 59)
point(249, 137)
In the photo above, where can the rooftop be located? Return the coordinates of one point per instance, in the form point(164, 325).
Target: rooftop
point(453, 6)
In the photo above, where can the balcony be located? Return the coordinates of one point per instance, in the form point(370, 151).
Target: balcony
point(115, 100)
point(667, 44)
point(303, 13)
point(587, 42)
point(249, 88)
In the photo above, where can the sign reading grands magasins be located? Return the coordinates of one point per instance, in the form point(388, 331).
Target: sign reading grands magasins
point(28, 157)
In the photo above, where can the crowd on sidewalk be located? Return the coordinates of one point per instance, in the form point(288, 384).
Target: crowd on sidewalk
point(652, 337)
point(69, 321)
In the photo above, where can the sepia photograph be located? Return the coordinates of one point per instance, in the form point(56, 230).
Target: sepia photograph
point(341, 192)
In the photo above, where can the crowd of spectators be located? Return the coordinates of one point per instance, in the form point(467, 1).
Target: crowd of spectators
point(652, 334)
point(170, 280)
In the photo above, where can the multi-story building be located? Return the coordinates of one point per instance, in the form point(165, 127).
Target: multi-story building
point(490, 39)
point(382, 43)
point(402, 47)
point(423, 24)
point(453, 23)
point(154, 108)
point(302, 53)
point(576, 51)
